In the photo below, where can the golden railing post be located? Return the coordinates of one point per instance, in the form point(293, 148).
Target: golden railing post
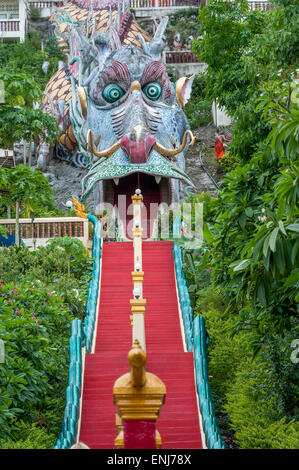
point(137, 229)
point(138, 304)
point(139, 396)
point(138, 328)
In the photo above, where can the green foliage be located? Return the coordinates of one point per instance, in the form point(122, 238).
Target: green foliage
point(17, 124)
point(13, 58)
point(51, 414)
point(46, 266)
point(34, 13)
point(183, 21)
point(229, 161)
point(251, 394)
point(197, 277)
point(71, 247)
point(35, 327)
point(199, 109)
point(28, 436)
point(18, 119)
point(224, 350)
point(244, 50)
point(29, 187)
point(251, 244)
point(254, 416)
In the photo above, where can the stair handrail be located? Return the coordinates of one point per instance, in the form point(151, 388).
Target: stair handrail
point(138, 303)
point(184, 298)
point(209, 420)
point(68, 433)
point(196, 336)
point(94, 284)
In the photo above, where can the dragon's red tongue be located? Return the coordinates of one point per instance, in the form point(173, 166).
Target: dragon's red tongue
point(138, 151)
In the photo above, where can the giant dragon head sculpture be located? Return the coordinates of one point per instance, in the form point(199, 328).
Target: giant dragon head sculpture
point(126, 114)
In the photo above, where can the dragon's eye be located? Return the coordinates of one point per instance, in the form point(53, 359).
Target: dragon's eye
point(112, 92)
point(152, 90)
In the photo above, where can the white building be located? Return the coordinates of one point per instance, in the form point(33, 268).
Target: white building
point(13, 20)
point(14, 16)
point(45, 6)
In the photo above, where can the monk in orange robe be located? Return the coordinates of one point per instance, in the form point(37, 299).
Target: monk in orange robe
point(219, 147)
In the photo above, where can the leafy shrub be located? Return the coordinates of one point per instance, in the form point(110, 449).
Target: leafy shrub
point(199, 109)
point(34, 13)
point(29, 436)
point(35, 327)
point(225, 350)
point(52, 411)
point(13, 57)
point(254, 396)
point(69, 274)
point(229, 162)
point(254, 416)
point(199, 112)
point(35, 317)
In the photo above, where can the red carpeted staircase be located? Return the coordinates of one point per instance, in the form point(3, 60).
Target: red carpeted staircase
point(178, 423)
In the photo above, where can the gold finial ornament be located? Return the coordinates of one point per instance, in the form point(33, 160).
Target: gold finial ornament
point(79, 208)
point(138, 395)
point(143, 400)
point(137, 359)
point(137, 198)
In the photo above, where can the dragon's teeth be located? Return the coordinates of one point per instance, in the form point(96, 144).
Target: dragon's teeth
point(158, 179)
point(116, 181)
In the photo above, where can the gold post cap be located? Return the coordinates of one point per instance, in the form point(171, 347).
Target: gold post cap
point(137, 276)
point(137, 232)
point(138, 305)
point(137, 198)
point(138, 394)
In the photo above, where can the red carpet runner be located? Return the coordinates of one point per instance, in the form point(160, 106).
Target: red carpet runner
point(178, 423)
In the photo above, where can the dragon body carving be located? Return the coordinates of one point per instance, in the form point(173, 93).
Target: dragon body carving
point(120, 115)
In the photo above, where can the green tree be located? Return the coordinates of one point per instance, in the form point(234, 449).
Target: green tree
point(18, 119)
point(13, 57)
point(243, 50)
point(26, 186)
point(71, 247)
point(251, 245)
point(251, 230)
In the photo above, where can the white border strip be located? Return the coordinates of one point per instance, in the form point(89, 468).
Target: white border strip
point(95, 328)
point(180, 310)
point(81, 396)
point(92, 350)
point(202, 432)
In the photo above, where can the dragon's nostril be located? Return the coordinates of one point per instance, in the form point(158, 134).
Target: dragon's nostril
point(138, 147)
